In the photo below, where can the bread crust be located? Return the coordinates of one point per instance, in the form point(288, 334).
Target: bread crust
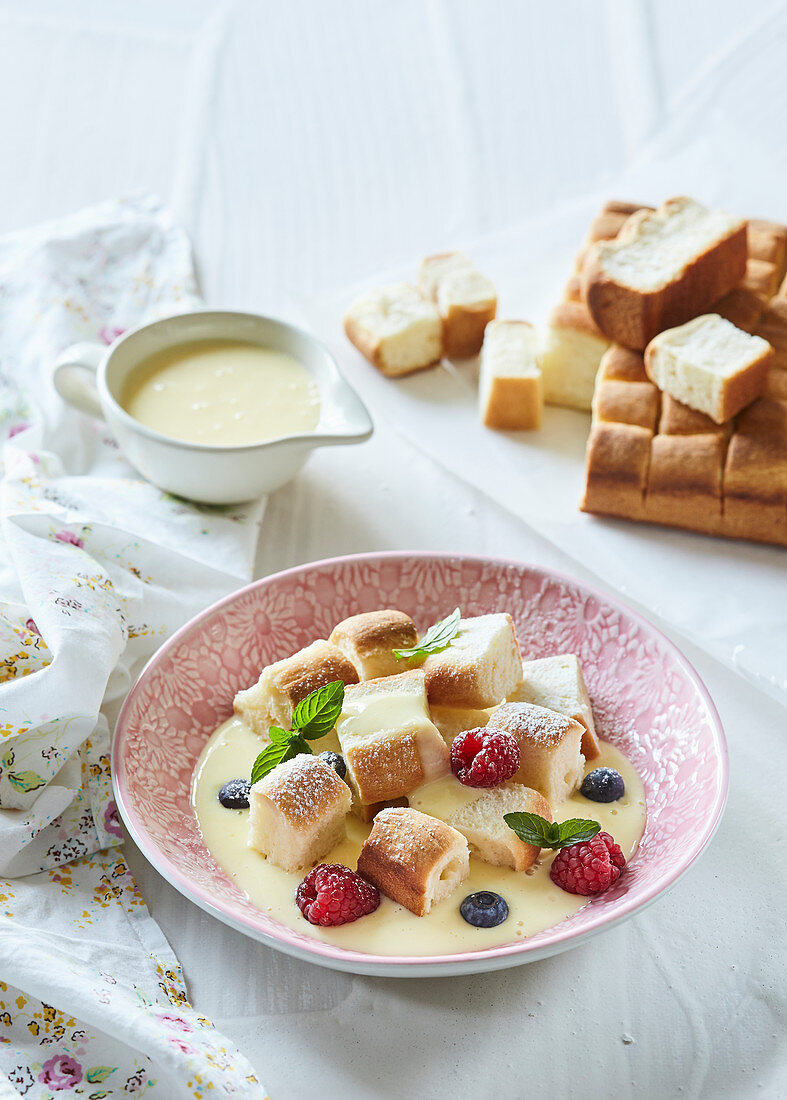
point(375, 634)
point(684, 481)
point(633, 317)
point(514, 404)
point(370, 348)
point(463, 329)
point(618, 456)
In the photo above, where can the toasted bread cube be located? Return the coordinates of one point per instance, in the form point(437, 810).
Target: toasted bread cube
point(549, 745)
point(626, 403)
point(297, 812)
point(709, 365)
point(481, 666)
point(618, 456)
point(767, 241)
point(664, 267)
point(491, 840)
point(451, 721)
point(389, 743)
point(742, 307)
point(684, 481)
point(466, 301)
point(762, 279)
point(678, 419)
point(755, 474)
point(414, 859)
point(570, 354)
point(281, 686)
point(622, 365)
point(396, 329)
point(509, 389)
point(368, 641)
point(557, 683)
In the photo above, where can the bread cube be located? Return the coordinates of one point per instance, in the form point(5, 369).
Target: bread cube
point(281, 686)
point(767, 241)
point(618, 456)
point(368, 641)
point(664, 267)
point(451, 721)
point(550, 748)
point(678, 419)
point(297, 812)
point(466, 301)
point(389, 743)
point(396, 329)
point(570, 354)
point(414, 859)
point(684, 481)
point(742, 307)
point(481, 666)
point(481, 824)
point(557, 683)
point(709, 365)
point(510, 392)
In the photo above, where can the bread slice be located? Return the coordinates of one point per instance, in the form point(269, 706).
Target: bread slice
point(481, 823)
point(709, 365)
point(297, 813)
point(481, 666)
point(451, 721)
point(396, 329)
point(368, 641)
point(271, 701)
point(663, 268)
point(549, 745)
point(557, 683)
point(510, 394)
point(569, 356)
point(466, 301)
point(414, 859)
point(389, 743)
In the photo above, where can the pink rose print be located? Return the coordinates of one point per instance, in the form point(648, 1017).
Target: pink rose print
point(108, 335)
point(60, 1073)
point(16, 429)
point(180, 1045)
point(31, 626)
point(177, 1022)
point(111, 819)
point(73, 540)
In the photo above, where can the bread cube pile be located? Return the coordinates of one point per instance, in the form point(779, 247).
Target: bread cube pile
point(397, 722)
point(689, 394)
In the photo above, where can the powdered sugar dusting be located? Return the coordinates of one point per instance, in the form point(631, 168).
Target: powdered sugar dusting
point(304, 789)
point(527, 722)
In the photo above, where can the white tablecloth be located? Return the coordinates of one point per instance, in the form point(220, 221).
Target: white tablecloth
point(309, 145)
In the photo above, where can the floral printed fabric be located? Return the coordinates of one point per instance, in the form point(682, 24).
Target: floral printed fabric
point(97, 567)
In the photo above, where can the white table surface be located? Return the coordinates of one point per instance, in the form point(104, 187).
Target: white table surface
point(306, 145)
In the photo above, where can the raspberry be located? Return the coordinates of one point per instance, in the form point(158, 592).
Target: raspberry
point(589, 867)
point(484, 757)
point(333, 894)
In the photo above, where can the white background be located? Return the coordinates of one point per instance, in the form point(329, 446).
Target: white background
point(307, 144)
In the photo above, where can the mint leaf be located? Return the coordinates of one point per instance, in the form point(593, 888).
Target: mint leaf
point(278, 752)
point(536, 830)
point(436, 638)
point(277, 735)
point(577, 829)
point(316, 715)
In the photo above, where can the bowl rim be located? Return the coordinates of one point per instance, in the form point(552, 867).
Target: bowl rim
point(489, 958)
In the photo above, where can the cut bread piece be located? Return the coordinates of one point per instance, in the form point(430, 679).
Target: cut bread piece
point(297, 813)
point(678, 419)
point(742, 307)
point(414, 859)
point(618, 457)
point(271, 701)
point(557, 683)
point(510, 392)
point(481, 666)
point(490, 839)
point(663, 268)
point(451, 721)
point(389, 743)
point(755, 474)
point(569, 357)
point(368, 641)
point(684, 481)
point(767, 241)
point(466, 301)
point(709, 365)
point(367, 813)
point(396, 329)
point(549, 745)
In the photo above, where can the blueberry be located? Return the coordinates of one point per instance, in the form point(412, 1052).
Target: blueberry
point(234, 795)
point(336, 762)
point(484, 909)
point(603, 785)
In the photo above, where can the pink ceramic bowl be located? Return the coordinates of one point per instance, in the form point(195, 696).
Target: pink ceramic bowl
point(646, 697)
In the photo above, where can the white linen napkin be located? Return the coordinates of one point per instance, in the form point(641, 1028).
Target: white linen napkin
point(97, 567)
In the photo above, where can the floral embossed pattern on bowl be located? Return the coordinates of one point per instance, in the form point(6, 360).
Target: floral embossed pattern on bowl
point(646, 698)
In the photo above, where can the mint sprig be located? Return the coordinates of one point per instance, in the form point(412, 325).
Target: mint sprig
point(312, 718)
point(536, 830)
point(436, 638)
